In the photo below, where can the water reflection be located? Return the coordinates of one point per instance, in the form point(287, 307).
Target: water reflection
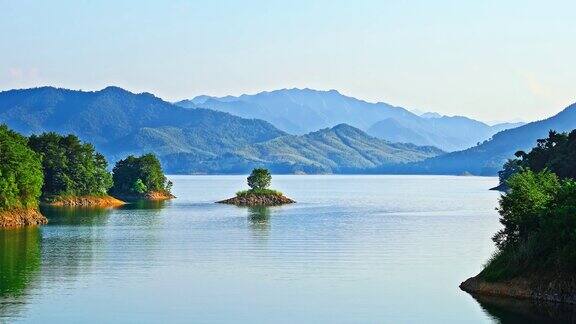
point(259, 219)
point(19, 267)
point(146, 204)
point(511, 310)
point(76, 215)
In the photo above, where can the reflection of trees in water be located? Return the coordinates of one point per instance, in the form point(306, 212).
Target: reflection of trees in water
point(19, 267)
point(75, 215)
point(66, 248)
point(146, 204)
point(259, 218)
point(511, 310)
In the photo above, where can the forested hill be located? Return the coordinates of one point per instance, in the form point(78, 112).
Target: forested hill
point(340, 149)
point(120, 123)
point(488, 158)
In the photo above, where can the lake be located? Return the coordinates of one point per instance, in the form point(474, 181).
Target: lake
point(353, 249)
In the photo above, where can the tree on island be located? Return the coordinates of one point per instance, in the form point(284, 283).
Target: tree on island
point(139, 176)
point(20, 172)
point(259, 193)
point(70, 167)
point(260, 178)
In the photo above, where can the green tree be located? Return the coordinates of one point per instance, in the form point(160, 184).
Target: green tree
point(556, 153)
point(139, 187)
point(260, 178)
point(529, 196)
point(70, 167)
point(20, 172)
point(137, 175)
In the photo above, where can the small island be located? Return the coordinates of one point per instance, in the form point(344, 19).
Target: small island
point(20, 181)
point(258, 194)
point(536, 249)
point(140, 178)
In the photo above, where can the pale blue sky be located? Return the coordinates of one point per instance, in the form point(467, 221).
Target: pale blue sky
point(483, 59)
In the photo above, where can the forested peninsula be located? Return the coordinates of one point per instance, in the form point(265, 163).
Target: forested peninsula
point(536, 249)
point(61, 170)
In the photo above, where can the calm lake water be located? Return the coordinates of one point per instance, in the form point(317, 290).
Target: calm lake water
point(370, 249)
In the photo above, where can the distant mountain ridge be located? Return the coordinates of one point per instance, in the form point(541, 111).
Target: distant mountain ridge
point(488, 157)
point(340, 149)
point(300, 111)
point(198, 140)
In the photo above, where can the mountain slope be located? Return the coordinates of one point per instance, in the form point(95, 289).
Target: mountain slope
point(119, 122)
point(488, 158)
point(299, 111)
point(198, 140)
point(341, 149)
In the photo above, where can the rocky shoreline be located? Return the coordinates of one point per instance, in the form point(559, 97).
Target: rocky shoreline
point(21, 217)
point(548, 288)
point(85, 201)
point(257, 200)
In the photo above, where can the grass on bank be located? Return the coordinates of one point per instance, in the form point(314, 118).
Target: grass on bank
point(258, 192)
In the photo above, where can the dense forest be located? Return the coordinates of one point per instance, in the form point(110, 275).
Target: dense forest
point(71, 167)
point(20, 172)
point(556, 153)
point(538, 211)
point(137, 176)
point(54, 167)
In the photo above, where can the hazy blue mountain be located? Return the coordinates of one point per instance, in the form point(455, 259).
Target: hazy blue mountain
point(300, 111)
point(341, 149)
point(488, 158)
point(198, 140)
point(119, 122)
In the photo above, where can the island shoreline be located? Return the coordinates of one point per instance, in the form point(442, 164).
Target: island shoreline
point(19, 217)
point(545, 288)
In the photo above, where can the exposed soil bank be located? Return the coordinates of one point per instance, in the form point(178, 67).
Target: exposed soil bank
point(152, 196)
point(257, 200)
point(549, 288)
point(21, 217)
point(85, 201)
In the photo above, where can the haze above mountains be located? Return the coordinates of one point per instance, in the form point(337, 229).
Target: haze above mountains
point(300, 111)
point(352, 136)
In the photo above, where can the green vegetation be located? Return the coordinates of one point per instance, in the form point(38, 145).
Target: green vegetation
point(538, 211)
point(71, 168)
point(258, 192)
point(136, 176)
point(20, 172)
point(259, 179)
point(556, 153)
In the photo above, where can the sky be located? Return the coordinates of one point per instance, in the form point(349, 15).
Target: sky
point(485, 59)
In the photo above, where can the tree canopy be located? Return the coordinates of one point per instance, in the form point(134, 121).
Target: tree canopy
point(556, 153)
point(70, 167)
point(20, 171)
point(139, 175)
point(538, 211)
point(260, 178)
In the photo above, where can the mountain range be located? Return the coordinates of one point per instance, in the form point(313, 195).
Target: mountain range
point(488, 157)
point(300, 111)
point(197, 140)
